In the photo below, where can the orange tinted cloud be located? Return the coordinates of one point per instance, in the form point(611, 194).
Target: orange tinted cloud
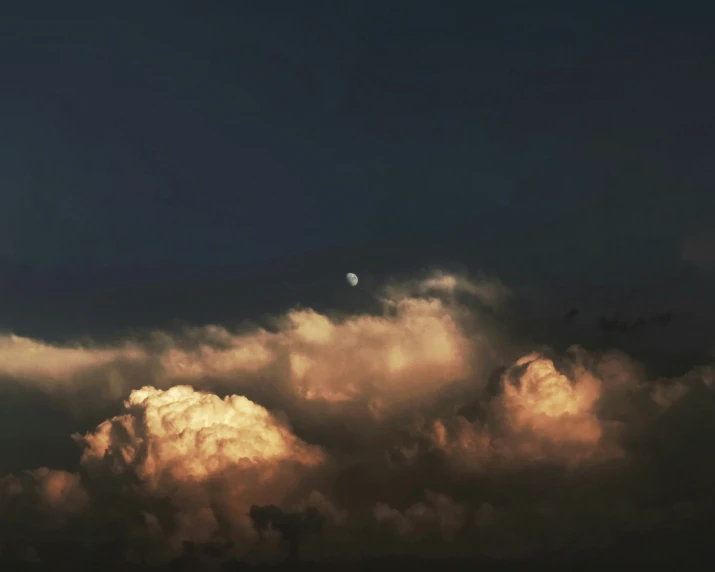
point(418, 349)
point(202, 452)
point(547, 403)
point(190, 465)
point(59, 491)
point(54, 366)
point(415, 347)
point(541, 414)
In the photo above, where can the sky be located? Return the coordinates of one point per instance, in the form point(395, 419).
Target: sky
point(186, 378)
point(171, 135)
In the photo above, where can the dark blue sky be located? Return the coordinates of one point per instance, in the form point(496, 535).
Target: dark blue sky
point(218, 134)
point(228, 132)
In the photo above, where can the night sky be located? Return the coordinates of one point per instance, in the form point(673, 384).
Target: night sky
point(179, 169)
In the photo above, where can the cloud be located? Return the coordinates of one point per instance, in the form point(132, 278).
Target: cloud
point(59, 492)
point(38, 506)
point(55, 367)
point(420, 348)
point(489, 291)
point(413, 349)
point(416, 429)
point(416, 347)
point(540, 414)
point(439, 515)
point(212, 457)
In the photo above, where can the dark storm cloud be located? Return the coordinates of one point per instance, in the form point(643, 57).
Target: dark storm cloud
point(420, 429)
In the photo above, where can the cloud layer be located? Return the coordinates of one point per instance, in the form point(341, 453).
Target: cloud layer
point(422, 429)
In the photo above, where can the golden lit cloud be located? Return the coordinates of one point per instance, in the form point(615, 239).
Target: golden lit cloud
point(202, 452)
point(415, 347)
point(217, 440)
point(418, 349)
point(541, 414)
point(54, 366)
point(410, 351)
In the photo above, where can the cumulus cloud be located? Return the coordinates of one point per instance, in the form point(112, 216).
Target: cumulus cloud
point(57, 491)
point(438, 515)
point(419, 349)
point(319, 435)
point(540, 414)
point(36, 507)
point(212, 457)
point(415, 347)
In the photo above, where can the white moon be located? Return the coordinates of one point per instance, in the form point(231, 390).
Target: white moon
point(352, 279)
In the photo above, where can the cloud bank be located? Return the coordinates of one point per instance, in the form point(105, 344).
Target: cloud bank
point(422, 430)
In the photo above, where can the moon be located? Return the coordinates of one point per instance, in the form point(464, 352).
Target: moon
point(352, 279)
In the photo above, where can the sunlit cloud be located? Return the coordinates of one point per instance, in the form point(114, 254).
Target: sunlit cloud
point(243, 439)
